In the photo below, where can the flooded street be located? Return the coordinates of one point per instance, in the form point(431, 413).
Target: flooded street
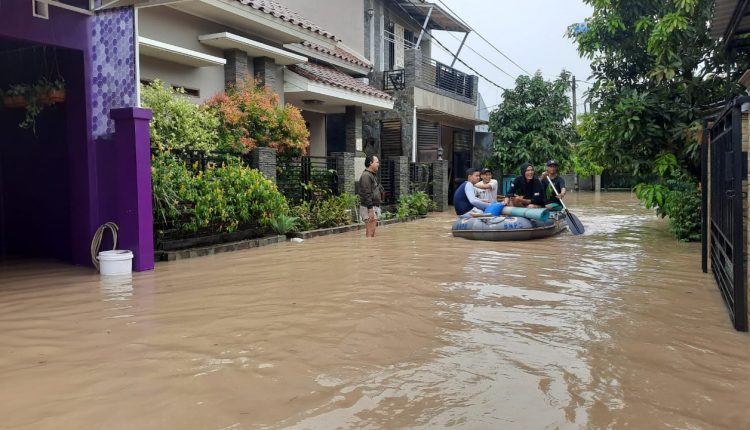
point(618, 328)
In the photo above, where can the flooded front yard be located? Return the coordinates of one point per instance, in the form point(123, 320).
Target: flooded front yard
point(415, 329)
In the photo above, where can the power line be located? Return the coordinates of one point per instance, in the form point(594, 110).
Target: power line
point(483, 57)
point(448, 51)
point(444, 47)
point(483, 38)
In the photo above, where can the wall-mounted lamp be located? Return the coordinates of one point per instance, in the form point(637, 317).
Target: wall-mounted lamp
point(370, 13)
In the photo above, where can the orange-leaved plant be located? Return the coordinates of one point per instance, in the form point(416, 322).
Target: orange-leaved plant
point(251, 117)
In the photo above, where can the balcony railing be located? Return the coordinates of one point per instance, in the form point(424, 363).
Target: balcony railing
point(447, 78)
point(432, 75)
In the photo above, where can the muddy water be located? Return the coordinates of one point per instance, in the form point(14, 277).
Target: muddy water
point(416, 329)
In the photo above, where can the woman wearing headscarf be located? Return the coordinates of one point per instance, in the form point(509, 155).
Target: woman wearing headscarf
point(526, 190)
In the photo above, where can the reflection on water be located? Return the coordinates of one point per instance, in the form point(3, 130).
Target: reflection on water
point(617, 328)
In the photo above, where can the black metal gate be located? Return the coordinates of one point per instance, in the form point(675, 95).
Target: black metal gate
point(724, 243)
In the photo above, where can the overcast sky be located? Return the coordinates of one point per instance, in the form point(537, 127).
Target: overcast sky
point(530, 32)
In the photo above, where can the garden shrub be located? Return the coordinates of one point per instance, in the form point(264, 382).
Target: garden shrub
point(250, 117)
point(221, 198)
point(676, 196)
point(172, 185)
point(283, 224)
point(333, 211)
point(415, 204)
point(178, 123)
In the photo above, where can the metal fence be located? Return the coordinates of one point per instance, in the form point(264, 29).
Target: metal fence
point(724, 232)
point(307, 178)
point(387, 179)
point(447, 78)
point(421, 178)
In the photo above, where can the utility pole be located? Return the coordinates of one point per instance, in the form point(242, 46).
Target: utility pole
point(574, 101)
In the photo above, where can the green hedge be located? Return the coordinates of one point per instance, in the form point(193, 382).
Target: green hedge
point(221, 198)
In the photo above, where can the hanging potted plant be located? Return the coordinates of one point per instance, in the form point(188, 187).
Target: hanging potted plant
point(16, 97)
point(34, 107)
point(51, 92)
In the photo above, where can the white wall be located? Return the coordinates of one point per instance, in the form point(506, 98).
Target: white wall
point(169, 25)
point(208, 80)
point(174, 27)
point(343, 18)
point(317, 123)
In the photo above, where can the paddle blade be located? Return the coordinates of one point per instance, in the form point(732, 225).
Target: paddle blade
point(574, 224)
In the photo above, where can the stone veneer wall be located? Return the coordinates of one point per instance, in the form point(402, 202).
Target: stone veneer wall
point(113, 76)
point(264, 159)
point(440, 185)
point(345, 171)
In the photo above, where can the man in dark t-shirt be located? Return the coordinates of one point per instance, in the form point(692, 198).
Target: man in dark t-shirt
point(552, 199)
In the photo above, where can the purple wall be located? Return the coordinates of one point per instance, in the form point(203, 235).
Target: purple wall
point(113, 83)
point(102, 79)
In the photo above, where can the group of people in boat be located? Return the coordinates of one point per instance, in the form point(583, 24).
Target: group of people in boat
point(480, 190)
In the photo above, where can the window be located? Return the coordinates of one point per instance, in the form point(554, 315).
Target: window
point(39, 9)
point(192, 92)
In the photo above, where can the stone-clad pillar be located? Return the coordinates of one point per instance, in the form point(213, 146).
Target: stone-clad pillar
point(264, 159)
point(440, 185)
point(345, 171)
point(269, 75)
point(400, 175)
point(237, 68)
point(353, 128)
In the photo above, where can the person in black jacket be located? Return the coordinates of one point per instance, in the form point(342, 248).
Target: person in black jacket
point(526, 190)
point(370, 195)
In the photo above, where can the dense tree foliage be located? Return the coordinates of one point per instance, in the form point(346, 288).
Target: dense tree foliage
point(654, 71)
point(533, 123)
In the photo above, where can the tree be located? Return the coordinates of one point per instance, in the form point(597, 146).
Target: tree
point(655, 69)
point(532, 124)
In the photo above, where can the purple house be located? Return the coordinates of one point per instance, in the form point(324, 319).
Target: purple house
point(88, 161)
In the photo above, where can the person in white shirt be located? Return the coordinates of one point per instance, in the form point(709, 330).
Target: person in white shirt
point(487, 187)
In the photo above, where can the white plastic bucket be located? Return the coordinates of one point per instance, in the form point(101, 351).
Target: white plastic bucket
point(115, 262)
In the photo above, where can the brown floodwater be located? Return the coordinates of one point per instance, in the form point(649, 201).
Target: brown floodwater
point(415, 329)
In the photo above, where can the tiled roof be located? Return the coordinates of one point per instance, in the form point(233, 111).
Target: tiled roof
point(341, 52)
point(282, 12)
point(326, 75)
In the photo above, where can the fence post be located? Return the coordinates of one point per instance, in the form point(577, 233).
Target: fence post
point(440, 185)
point(400, 175)
point(345, 170)
point(264, 159)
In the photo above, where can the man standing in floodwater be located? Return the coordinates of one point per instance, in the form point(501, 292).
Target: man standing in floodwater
point(370, 194)
point(465, 198)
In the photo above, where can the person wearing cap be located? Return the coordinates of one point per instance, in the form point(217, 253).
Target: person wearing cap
point(487, 187)
point(552, 199)
point(526, 190)
point(465, 198)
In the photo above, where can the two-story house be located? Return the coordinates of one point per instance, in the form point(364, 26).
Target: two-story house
point(435, 105)
point(205, 45)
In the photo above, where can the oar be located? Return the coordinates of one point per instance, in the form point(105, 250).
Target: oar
point(573, 222)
